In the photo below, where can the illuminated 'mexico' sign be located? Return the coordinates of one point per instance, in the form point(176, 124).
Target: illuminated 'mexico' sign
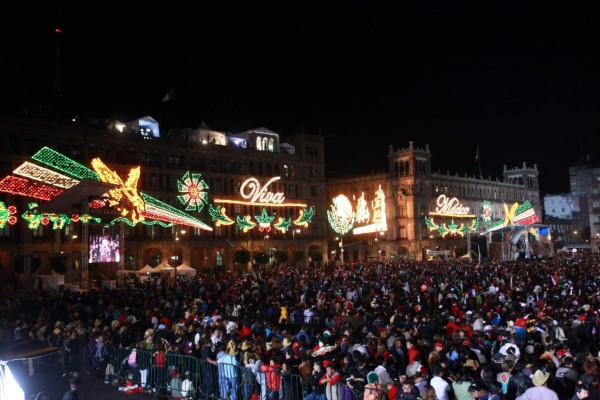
point(451, 207)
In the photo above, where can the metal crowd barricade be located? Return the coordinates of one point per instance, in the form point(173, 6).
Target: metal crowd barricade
point(203, 375)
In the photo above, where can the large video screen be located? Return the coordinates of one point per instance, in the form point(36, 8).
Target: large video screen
point(104, 247)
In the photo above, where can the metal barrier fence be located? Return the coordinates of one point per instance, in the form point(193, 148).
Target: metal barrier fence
point(188, 377)
point(181, 376)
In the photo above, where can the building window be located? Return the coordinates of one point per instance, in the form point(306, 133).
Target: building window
point(286, 171)
point(219, 258)
point(313, 191)
point(259, 145)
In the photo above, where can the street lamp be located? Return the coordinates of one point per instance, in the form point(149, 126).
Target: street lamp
point(341, 246)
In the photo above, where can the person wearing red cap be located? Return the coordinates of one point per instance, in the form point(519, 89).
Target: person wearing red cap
point(434, 356)
point(331, 381)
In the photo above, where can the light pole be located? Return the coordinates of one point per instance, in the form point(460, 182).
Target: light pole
point(265, 247)
point(294, 231)
point(478, 252)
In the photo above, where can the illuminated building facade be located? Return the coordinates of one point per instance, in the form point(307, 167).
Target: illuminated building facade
point(429, 211)
point(272, 190)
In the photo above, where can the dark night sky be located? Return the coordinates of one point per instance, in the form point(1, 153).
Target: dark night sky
point(518, 79)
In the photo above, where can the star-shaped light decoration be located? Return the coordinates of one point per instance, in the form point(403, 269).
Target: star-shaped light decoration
point(193, 189)
point(264, 221)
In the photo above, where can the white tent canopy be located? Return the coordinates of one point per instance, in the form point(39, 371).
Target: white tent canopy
point(145, 270)
point(164, 267)
point(186, 270)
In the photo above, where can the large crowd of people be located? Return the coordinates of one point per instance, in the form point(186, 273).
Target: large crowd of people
point(442, 330)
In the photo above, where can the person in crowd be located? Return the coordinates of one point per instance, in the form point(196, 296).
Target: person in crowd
point(539, 389)
point(273, 378)
point(461, 381)
point(408, 391)
point(314, 379)
point(439, 383)
point(582, 392)
point(228, 366)
point(73, 392)
point(373, 389)
point(331, 381)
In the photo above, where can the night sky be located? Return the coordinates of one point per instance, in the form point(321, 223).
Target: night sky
point(519, 80)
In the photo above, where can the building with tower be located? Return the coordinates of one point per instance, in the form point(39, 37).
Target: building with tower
point(432, 213)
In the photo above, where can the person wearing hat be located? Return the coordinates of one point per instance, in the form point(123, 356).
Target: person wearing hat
point(229, 371)
point(434, 355)
point(539, 390)
point(373, 389)
point(72, 394)
point(331, 381)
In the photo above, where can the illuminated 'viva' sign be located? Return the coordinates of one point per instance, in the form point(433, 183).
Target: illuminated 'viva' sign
point(252, 190)
point(253, 193)
point(451, 207)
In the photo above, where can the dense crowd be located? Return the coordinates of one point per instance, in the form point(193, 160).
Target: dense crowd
point(397, 330)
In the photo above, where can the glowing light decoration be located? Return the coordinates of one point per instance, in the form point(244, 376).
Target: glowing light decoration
point(35, 218)
point(7, 215)
point(305, 217)
point(377, 214)
point(245, 223)
point(63, 163)
point(451, 207)
point(264, 221)
point(452, 228)
point(132, 206)
point(193, 189)
point(41, 174)
point(23, 187)
point(256, 194)
point(122, 190)
point(219, 216)
point(156, 209)
point(341, 217)
point(486, 212)
point(283, 224)
point(363, 215)
point(523, 214)
point(253, 193)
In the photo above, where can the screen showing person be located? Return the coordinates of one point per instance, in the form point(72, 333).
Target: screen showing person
point(104, 248)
